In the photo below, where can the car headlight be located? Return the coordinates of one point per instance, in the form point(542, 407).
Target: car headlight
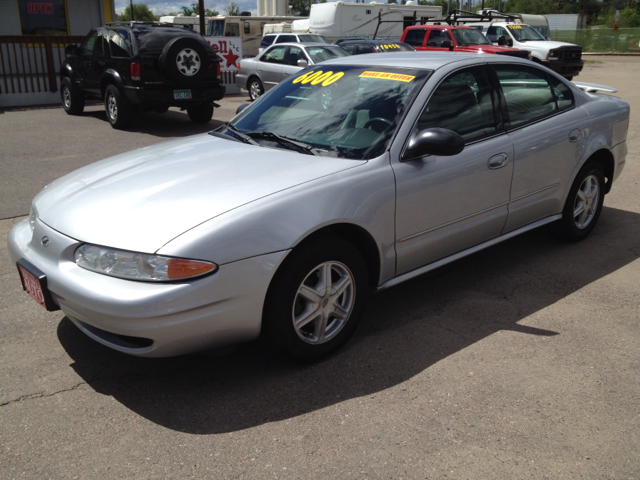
point(139, 266)
point(553, 54)
point(32, 218)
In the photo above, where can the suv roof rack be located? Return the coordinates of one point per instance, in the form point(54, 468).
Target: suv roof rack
point(134, 23)
point(461, 17)
point(414, 22)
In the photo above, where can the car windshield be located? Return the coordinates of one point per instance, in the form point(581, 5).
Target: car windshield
point(313, 38)
point(469, 36)
point(338, 111)
point(523, 33)
point(320, 54)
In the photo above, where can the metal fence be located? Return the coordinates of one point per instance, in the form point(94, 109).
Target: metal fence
point(30, 63)
point(604, 40)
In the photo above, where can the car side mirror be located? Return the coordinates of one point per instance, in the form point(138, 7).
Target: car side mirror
point(71, 50)
point(447, 44)
point(303, 63)
point(502, 41)
point(242, 107)
point(433, 141)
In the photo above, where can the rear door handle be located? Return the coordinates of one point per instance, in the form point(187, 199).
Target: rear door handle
point(498, 161)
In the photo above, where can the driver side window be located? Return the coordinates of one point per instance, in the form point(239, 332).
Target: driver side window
point(462, 103)
point(275, 55)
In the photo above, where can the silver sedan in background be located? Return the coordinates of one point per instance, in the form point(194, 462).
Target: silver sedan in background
point(278, 62)
point(280, 223)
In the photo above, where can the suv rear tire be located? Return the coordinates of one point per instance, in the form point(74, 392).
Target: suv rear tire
point(185, 61)
point(72, 97)
point(200, 113)
point(119, 112)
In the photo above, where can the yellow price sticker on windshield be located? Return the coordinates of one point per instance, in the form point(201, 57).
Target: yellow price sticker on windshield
point(514, 27)
point(390, 46)
point(398, 77)
point(319, 78)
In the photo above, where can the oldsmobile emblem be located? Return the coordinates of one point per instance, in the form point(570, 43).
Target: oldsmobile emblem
point(45, 241)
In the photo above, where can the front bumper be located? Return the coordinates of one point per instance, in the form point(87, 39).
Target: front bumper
point(566, 69)
point(164, 95)
point(148, 319)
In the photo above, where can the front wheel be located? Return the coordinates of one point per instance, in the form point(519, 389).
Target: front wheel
point(255, 88)
point(316, 300)
point(584, 203)
point(119, 112)
point(200, 113)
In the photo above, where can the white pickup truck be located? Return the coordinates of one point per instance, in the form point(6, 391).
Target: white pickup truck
point(561, 57)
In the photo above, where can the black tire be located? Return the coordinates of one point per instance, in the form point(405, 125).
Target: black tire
point(200, 113)
point(119, 112)
point(72, 97)
point(584, 204)
point(254, 85)
point(185, 61)
point(302, 270)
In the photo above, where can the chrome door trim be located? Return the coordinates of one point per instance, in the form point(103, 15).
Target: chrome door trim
point(464, 253)
point(513, 200)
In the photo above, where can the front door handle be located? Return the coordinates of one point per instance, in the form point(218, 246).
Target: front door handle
point(574, 135)
point(498, 161)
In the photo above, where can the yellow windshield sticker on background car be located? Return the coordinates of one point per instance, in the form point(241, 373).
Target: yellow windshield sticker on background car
point(319, 77)
point(388, 76)
point(515, 26)
point(389, 46)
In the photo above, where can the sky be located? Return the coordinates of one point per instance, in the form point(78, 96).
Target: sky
point(159, 7)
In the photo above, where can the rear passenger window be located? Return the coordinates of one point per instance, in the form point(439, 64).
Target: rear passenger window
point(366, 49)
point(462, 103)
point(527, 93)
point(119, 44)
point(415, 37)
point(436, 37)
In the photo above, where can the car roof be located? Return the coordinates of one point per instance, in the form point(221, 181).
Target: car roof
point(426, 60)
point(368, 41)
point(303, 44)
point(423, 27)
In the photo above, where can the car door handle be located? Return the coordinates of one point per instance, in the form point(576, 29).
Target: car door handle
point(574, 135)
point(498, 161)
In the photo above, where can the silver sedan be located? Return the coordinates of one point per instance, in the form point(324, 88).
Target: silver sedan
point(348, 178)
point(280, 61)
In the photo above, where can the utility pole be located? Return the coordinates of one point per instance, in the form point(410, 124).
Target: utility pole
point(131, 7)
point(201, 12)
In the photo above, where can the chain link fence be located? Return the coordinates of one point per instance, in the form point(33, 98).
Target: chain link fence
point(603, 40)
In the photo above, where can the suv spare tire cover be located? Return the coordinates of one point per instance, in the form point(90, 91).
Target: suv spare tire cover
point(185, 60)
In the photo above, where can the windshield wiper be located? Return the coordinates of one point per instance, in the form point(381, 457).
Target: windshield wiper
point(238, 134)
point(282, 140)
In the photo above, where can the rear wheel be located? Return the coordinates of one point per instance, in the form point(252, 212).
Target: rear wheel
point(316, 300)
point(255, 88)
point(72, 97)
point(584, 203)
point(119, 112)
point(200, 113)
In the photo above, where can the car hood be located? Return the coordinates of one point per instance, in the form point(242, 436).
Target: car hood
point(143, 199)
point(546, 44)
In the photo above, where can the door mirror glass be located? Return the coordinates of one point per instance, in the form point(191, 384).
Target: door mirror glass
point(502, 41)
point(433, 141)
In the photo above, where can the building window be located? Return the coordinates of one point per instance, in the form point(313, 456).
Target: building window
point(47, 17)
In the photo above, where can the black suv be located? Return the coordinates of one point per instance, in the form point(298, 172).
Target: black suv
point(142, 66)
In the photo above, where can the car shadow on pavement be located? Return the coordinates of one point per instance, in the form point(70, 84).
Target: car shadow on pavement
point(406, 330)
point(173, 123)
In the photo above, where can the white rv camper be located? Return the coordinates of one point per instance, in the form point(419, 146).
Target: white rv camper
point(338, 19)
point(250, 29)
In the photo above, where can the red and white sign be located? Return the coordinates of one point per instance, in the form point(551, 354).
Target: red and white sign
point(229, 49)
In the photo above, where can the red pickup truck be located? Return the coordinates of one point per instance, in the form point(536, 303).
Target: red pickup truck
point(456, 39)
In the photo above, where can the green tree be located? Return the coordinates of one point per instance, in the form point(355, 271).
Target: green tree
point(233, 9)
point(140, 13)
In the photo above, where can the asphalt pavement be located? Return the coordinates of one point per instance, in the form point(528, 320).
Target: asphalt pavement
point(521, 361)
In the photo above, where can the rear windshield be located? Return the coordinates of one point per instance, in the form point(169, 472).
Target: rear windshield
point(151, 41)
point(313, 38)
